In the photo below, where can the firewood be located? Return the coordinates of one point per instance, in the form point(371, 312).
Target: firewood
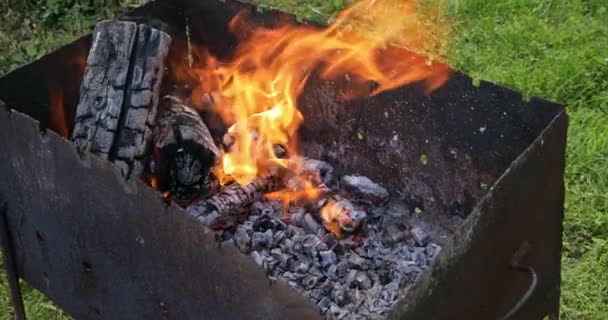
point(340, 215)
point(183, 151)
point(119, 93)
point(230, 200)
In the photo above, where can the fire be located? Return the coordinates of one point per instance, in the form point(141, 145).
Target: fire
point(57, 112)
point(331, 215)
point(308, 192)
point(373, 41)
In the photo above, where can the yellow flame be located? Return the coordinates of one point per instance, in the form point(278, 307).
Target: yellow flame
point(374, 40)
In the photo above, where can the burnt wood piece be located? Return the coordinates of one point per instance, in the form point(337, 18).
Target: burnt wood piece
point(183, 151)
point(102, 91)
point(147, 69)
point(340, 215)
point(230, 200)
point(119, 93)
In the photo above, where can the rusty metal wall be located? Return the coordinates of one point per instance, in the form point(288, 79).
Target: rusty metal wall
point(471, 278)
point(116, 252)
point(104, 248)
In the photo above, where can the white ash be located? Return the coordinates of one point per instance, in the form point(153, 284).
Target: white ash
point(357, 277)
point(364, 190)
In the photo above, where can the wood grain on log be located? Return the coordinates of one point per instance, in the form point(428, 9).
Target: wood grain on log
point(183, 151)
point(134, 138)
point(119, 93)
point(102, 89)
point(230, 200)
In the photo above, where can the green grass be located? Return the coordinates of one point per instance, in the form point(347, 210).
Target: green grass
point(556, 49)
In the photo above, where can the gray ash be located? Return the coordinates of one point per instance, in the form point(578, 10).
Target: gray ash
point(359, 276)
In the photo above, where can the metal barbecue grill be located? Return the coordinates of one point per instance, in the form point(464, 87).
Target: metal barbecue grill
point(102, 247)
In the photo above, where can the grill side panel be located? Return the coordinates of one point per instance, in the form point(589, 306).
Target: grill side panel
point(105, 248)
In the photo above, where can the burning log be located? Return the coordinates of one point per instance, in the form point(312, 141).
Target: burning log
point(230, 200)
point(119, 93)
point(183, 151)
point(309, 190)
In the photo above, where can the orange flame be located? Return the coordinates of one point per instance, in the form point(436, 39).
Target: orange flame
point(372, 41)
point(307, 192)
point(331, 215)
point(57, 111)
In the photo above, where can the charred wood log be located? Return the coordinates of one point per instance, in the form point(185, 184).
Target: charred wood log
point(183, 151)
point(230, 200)
point(133, 145)
point(340, 215)
point(119, 93)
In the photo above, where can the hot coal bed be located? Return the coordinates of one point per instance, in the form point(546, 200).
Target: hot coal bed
point(356, 277)
point(440, 198)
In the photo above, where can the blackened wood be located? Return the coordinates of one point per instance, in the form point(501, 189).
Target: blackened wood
point(230, 200)
point(120, 252)
point(102, 90)
point(119, 93)
point(183, 151)
point(10, 264)
point(147, 69)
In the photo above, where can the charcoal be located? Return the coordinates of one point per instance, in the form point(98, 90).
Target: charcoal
point(349, 275)
point(269, 238)
point(337, 313)
point(341, 214)
point(343, 268)
point(392, 235)
point(362, 280)
point(316, 171)
point(242, 239)
point(328, 258)
point(259, 260)
point(324, 304)
point(332, 272)
point(421, 258)
point(258, 241)
point(357, 261)
point(339, 295)
point(289, 276)
point(297, 217)
point(277, 254)
point(420, 237)
point(302, 267)
point(397, 209)
point(432, 250)
point(297, 244)
point(310, 224)
point(390, 291)
point(310, 282)
point(330, 240)
point(279, 236)
point(364, 190)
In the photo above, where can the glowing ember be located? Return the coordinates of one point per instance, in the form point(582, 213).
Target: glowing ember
point(307, 192)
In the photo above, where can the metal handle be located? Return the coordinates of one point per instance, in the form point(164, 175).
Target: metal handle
point(517, 266)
